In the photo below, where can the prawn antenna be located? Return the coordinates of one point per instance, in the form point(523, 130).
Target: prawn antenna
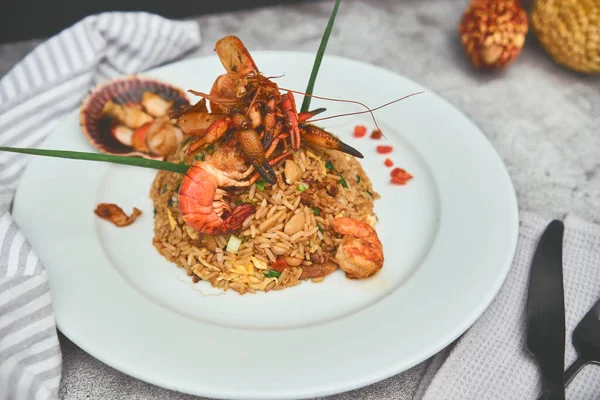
point(368, 110)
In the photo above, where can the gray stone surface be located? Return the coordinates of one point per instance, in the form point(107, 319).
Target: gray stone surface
point(543, 120)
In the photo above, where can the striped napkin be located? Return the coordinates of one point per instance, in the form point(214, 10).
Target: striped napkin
point(51, 81)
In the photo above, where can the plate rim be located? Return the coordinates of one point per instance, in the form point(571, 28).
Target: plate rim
point(390, 370)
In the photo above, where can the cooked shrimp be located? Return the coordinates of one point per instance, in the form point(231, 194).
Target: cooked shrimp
point(360, 254)
point(204, 205)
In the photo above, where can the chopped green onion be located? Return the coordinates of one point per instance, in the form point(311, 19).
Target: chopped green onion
point(320, 228)
point(210, 148)
point(237, 203)
point(316, 211)
point(233, 245)
point(343, 181)
point(272, 274)
point(164, 189)
point(178, 186)
point(260, 185)
point(370, 194)
point(302, 187)
point(329, 165)
point(187, 140)
point(357, 178)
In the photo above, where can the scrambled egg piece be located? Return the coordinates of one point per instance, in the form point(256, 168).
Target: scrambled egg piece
point(171, 220)
point(191, 233)
point(319, 160)
point(263, 284)
point(258, 263)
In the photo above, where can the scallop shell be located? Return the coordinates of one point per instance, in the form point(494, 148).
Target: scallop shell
point(123, 91)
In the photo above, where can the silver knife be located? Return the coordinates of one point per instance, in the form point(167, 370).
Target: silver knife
point(546, 312)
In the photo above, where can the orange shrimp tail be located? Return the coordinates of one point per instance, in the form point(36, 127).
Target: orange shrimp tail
point(196, 197)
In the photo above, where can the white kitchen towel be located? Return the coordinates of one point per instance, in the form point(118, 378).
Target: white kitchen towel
point(491, 361)
point(49, 82)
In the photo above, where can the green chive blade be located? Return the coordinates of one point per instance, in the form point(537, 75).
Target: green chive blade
point(123, 160)
point(319, 58)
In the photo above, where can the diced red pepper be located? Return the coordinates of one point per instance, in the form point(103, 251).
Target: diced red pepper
point(388, 163)
point(376, 134)
point(360, 131)
point(279, 265)
point(400, 176)
point(384, 149)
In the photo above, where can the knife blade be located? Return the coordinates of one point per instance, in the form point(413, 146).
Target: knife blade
point(546, 311)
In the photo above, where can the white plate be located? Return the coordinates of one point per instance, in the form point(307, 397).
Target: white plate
point(449, 237)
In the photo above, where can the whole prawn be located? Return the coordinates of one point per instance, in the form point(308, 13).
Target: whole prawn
point(249, 106)
point(204, 205)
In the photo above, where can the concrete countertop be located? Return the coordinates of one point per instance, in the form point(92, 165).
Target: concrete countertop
point(543, 120)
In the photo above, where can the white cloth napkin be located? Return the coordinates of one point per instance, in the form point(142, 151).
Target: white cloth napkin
point(490, 361)
point(51, 81)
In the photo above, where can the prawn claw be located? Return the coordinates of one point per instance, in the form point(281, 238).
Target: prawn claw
point(306, 115)
point(322, 138)
point(254, 152)
point(266, 171)
point(288, 107)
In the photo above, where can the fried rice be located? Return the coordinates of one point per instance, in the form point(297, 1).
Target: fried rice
point(291, 223)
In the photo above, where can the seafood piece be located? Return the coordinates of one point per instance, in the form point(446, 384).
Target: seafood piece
point(242, 80)
point(255, 153)
point(196, 123)
point(306, 115)
point(288, 107)
point(270, 121)
point(156, 105)
point(102, 129)
point(234, 56)
point(123, 134)
point(129, 116)
point(322, 138)
point(199, 107)
point(116, 215)
point(226, 87)
point(203, 204)
point(195, 120)
point(360, 254)
point(214, 132)
point(163, 137)
point(138, 139)
point(248, 140)
point(255, 115)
